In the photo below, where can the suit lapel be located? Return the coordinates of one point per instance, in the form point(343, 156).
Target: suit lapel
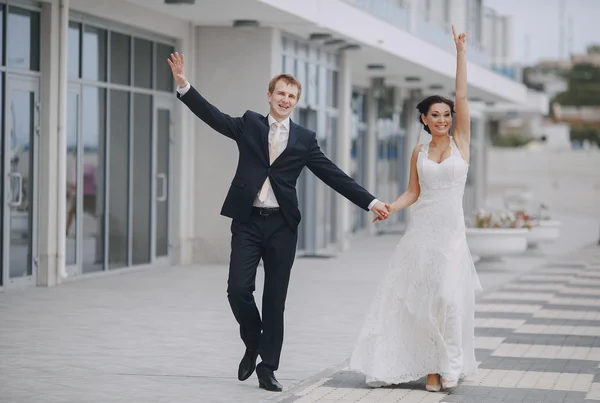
point(264, 137)
point(292, 138)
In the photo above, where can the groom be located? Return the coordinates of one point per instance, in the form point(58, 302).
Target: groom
point(263, 204)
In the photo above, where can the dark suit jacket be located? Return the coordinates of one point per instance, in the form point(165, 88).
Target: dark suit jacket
point(251, 132)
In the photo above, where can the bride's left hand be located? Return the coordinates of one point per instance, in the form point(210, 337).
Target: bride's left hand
point(460, 40)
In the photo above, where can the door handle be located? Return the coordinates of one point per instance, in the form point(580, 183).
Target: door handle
point(164, 195)
point(16, 203)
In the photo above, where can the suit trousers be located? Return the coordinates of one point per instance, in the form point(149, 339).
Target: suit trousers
point(268, 237)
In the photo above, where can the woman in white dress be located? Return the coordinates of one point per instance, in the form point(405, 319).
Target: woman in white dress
point(421, 321)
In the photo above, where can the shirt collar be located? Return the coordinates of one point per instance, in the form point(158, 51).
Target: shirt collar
point(285, 124)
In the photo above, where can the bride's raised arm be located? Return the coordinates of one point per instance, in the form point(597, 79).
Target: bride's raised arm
point(462, 129)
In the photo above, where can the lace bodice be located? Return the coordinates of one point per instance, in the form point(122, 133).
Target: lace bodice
point(450, 173)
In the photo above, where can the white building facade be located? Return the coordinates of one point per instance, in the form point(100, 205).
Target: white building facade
point(104, 170)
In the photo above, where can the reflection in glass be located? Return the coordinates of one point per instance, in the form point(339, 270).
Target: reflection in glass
point(94, 54)
point(332, 88)
point(1, 62)
point(93, 121)
point(164, 78)
point(118, 181)
point(71, 225)
point(163, 120)
point(74, 42)
point(1, 178)
point(120, 58)
point(19, 181)
point(142, 63)
point(142, 178)
point(23, 48)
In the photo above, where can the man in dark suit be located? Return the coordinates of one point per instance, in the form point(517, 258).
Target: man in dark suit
point(263, 204)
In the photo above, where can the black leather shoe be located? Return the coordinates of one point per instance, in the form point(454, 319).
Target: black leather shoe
point(247, 365)
point(267, 380)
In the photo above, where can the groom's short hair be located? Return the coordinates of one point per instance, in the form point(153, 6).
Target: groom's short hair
point(288, 79)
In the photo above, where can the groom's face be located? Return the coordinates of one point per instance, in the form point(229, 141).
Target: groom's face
point(282, 100)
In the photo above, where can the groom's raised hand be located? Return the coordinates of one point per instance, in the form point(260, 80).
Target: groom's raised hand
point(176, 62)
point(381, 211)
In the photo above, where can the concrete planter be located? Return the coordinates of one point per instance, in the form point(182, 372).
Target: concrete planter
point(496, 242)
point(547, 231)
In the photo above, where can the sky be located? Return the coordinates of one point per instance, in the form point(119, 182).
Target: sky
point(538, 20)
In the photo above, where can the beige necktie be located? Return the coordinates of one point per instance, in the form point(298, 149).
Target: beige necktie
point(262, 196)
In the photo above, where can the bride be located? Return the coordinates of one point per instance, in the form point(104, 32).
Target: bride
point(421, 321)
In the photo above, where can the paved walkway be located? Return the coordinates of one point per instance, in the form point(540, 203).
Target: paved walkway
point(537, 340)
point(169, 336)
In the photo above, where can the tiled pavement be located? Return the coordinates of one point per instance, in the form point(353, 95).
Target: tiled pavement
point(537, 340)
point(166, 335)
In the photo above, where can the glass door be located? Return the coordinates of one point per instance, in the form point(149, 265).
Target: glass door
point(73, 195)
point(19, 201)
point(163, 112)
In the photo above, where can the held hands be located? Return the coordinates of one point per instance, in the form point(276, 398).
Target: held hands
point(460, 40)
point(382, 211)
point(176, 62)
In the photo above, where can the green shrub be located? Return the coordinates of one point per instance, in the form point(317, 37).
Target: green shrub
point(510, 140)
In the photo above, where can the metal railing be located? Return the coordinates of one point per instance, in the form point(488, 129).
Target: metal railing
point(387, 10)
point(440, 36)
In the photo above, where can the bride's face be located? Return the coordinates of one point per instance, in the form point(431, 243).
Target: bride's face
point(438, 119)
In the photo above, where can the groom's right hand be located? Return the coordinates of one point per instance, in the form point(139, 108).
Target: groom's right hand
point(176, 62)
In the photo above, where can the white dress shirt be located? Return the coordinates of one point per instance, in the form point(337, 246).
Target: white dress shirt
point(284, 135)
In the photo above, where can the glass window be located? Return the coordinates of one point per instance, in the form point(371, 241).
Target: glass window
point(164, 79)
point(72, 218)
point(142, 178)
point(313, 85)
point(118, 182)
point(1, 162)
point(290, 65)
point(332, 88)
point(74, 46)
point(1, 56)
point(142, 63)
point(94, 54)
point(120, 58)
point(23, 32)
point(93, 122)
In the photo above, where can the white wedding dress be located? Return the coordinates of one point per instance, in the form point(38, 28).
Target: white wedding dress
point(421, 320)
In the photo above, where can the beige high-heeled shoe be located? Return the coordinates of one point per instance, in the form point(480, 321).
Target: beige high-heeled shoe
point(449, 384)
point(433, 388)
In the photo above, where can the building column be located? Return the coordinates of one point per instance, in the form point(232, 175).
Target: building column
point(239, 86)
point(51, 179)
point(479, 147)
point(413, 133)
point(343, 148)
point(413, 15)
point(371, 146)
point(183, 228)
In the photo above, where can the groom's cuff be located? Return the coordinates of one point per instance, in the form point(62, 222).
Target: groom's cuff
point(182, 90)
point(372, 204)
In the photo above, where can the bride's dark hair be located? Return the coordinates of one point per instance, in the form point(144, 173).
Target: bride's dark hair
point(425, 104)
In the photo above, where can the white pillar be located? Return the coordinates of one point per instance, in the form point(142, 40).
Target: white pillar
point(371, 149)
point(413, 130)
point(49, 180)
point(234, 83)
point(458, 14)
point(184, 166)
point(413, 15)
point(343, 145)
point(480, 160)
